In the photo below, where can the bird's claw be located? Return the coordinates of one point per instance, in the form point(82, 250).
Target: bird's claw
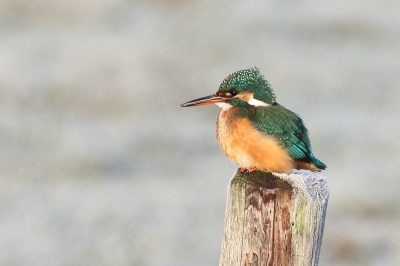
point(251, 170)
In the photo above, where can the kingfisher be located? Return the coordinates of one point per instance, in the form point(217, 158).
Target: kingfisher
point(254, 131)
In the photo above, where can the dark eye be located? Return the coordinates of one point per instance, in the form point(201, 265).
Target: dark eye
point(233, 92)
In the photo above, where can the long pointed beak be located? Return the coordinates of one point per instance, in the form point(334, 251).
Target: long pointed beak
point(210, 99)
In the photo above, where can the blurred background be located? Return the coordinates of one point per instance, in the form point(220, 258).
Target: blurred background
point(99, 166)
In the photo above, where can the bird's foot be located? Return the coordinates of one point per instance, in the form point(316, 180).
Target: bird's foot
point(251, 170)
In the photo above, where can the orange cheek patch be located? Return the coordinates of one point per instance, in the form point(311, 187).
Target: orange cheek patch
point(245, 96)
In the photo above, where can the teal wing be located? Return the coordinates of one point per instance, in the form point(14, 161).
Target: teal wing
point(288, 128)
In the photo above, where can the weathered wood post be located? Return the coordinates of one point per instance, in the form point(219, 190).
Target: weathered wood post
point(274, 219)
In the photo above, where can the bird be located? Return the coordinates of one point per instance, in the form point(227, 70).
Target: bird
point(254, 131)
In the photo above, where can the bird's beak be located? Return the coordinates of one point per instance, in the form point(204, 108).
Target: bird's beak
point(210, 99)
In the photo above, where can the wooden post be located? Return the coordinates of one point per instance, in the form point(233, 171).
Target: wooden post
point(274, 219)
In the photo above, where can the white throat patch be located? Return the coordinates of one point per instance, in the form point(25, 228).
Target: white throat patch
point(224, 106)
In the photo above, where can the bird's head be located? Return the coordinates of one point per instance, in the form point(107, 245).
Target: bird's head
point(242, 88)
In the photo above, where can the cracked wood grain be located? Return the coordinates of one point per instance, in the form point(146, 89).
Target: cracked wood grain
point(274, 219)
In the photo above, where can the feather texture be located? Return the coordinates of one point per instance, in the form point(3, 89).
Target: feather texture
point(286, 127)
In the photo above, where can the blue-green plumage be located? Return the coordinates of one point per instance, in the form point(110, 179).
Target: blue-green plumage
point(288, 128)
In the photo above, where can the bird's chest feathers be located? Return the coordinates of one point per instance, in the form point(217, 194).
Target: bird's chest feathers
point(226, 125)
point(248, 147)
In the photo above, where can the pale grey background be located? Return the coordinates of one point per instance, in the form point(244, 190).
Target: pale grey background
point(98, 165)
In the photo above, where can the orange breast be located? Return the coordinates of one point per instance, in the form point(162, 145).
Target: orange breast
point(248, 147)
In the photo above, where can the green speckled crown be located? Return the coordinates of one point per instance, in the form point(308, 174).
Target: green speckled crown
point(249, 80)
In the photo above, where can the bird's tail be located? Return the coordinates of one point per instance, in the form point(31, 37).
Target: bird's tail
point(318, 163)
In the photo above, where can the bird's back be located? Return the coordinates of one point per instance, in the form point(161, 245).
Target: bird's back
point(288, 128)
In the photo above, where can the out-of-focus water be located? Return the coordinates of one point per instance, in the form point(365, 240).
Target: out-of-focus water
point(98, 165)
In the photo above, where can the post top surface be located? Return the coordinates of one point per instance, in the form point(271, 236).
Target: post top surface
point(314, 185)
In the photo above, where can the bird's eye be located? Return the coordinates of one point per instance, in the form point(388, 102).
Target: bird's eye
point(233, 92)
